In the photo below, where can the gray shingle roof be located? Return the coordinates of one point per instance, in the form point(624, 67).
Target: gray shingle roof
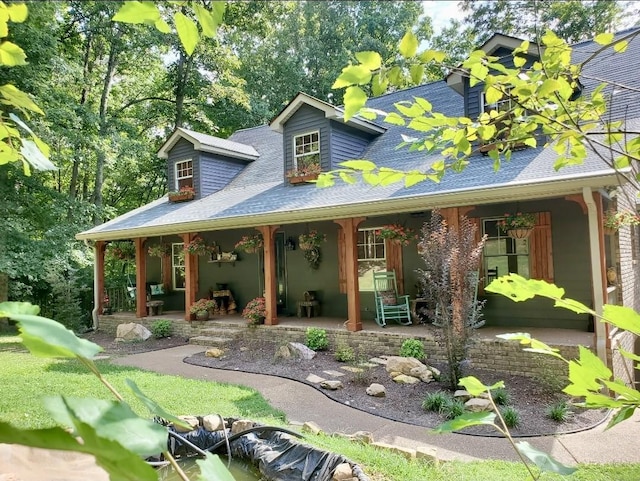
point(260, 194)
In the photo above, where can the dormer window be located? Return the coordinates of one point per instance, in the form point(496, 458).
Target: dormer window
point(184, 174)
point(306, 150)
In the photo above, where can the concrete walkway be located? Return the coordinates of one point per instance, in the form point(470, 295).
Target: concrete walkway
point(303, 403)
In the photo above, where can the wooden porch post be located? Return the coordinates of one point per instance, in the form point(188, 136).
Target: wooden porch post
point(141, 278)
point(167, 262)
point(100, 247)
point(350, 229)
point(271, 301)
point(190, 276)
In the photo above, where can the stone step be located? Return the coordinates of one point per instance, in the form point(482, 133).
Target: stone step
point(210, 341)
point(215, 332)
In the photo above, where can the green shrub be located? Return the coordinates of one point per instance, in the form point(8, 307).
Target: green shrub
point(559, 411)
point(436, 401)
point(453, 408)
point(412, 348)
point(511, 417)
point(317, 339)
point(501, 397)
point(345, 353)
point(161, 329)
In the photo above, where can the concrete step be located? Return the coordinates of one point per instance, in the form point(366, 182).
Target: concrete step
point(210, 341)
point(217, 331)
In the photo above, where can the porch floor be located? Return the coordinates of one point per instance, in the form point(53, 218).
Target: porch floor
point(555, 336)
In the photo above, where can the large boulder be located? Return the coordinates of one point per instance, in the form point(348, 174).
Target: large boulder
point(132, 332)
point(302, 351)
point(409, 366)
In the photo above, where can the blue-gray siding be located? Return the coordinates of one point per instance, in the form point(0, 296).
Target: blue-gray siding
point(306, 120)
point(346, 143)
point(217, 171)
point(183, 150)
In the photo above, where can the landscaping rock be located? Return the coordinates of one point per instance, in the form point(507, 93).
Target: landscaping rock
point(404, 379)
point(376, 390)
point(435, 371)
point(331, 385)
point(192, 421)
point(214, 352)
point(364, 437)
point(311, 427)
point(132, 332)
point(212, 422)
point(342, 472)
point(477, 405)
point(241, 425)
point(302, 351)
point(408, 366)
point(462, 394)
point(283, 352)
point(422, 373)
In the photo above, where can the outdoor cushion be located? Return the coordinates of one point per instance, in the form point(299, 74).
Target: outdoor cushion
point(388, 298)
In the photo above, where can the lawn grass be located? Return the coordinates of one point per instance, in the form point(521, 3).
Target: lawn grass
point(26, 380)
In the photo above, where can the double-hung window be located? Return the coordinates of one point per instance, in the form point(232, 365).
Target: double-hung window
point(371, 257)
point(502, 254)
point(306, 151)
point(177, 266)
point(184, 174)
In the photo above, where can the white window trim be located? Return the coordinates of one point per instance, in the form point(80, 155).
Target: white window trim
point(377, 259)
point(296, 156)
point(174, 266)
point(485, 256)
point(175, 169)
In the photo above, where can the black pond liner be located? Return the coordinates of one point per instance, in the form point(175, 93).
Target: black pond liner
point(273, 450)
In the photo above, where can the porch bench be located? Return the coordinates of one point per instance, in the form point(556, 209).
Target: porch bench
point(309, 306)
point(154, 308)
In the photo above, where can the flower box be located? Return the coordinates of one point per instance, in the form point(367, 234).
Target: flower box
point(522, 233)
point(183, 196)
point(301, 179)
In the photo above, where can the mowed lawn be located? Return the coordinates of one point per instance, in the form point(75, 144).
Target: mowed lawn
point(26, 380)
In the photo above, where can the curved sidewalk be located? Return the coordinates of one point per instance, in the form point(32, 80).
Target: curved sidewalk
point(302, 403)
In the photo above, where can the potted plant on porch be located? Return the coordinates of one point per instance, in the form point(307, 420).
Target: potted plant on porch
point(197, 247)
point(613, 220)
point(255, 311)
point(202, 308)
point(518, 225)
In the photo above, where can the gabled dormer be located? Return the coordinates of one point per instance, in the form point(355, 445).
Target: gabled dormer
point(500, 46)
point(203, 162)
point(316, 138)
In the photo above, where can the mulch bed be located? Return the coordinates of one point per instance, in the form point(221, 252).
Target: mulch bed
point(402, 402)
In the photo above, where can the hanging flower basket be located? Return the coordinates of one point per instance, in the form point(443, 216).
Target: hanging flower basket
point(183, 195)
point(518, 225)
point(160, 250)
point(614, 220)
point(397, 233)
point(250, 244)
point(310, 241)
point(124, 251)
point(197, 247)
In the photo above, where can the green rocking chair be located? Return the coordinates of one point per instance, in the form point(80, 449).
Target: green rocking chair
point(389, 305)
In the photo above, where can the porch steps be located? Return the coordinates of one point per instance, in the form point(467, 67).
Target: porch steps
point(216, 336)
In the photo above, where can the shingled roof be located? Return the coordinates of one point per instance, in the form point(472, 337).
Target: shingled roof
point(259, 194)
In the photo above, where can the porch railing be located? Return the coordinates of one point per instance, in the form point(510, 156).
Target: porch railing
point(120, 299)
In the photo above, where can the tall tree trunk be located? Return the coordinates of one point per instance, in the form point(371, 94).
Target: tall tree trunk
point(184, 65)
point(101, 155)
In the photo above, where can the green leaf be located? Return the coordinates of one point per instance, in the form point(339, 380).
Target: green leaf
point(18, 12)
point(352, 74)
point(208, 23)
point(492, 95)
point(417, 72)
point(530, 141)
point(162, 26)
point(394, 119)
point(137, 12)
point(629, 355)
point(354, 100)
point(586, 371)
point(475, 387)
point(429, 55)
point(187, 32)
point(550, 85)
point(347, 178)
point(424, 104)
point(409, 109)
point(395, 76)
point(111, 420)
point(371, 178)
point(379, 84)
point(622, 317)
point(544, 462)
point(621, 46)
point(371, 60)
point(413, 178)
point(408, 45)
point(390, 176)
point(364, 165)
point(211, 467)
point(153, 407)
point(45, 337)
point(519, 61)
point(18, 98)
point(603, 38)
point(34, 156)
point(621, 415)
point(466, 420)
point(11, 54)
point(478, 73)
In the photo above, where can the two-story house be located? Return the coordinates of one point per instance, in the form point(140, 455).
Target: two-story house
point(253, 182)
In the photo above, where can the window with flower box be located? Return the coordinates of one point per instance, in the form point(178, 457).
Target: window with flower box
point(306, 150)
point(184, 174)
point(371, 257)
point(503, 254)
point(177, 266)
